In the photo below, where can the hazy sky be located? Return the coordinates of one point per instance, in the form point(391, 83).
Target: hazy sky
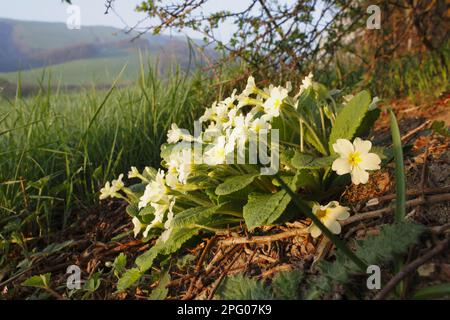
point(92, 12)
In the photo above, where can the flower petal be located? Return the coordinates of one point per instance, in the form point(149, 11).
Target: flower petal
point(362, 146)
point(359, 176)
point(344, 147)
point(341, 166)
point(339, 213)
point(334, 226)
point(370, 161)
point(315, 231)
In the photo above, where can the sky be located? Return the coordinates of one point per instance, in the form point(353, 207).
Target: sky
point(92, 12)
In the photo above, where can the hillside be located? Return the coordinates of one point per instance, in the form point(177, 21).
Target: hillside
point(80, 56)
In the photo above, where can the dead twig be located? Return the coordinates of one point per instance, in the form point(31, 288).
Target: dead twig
point(415, 130)
point(427, 191)
point(269, 238)
point(223, 274)
point(378, 213)
point(441, 246)
point(198, 267)
point(267, 273)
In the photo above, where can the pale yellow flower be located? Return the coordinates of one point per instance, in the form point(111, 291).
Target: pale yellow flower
point(355, 159)
point(107, 191)
point(329, 216)
point(272, 106)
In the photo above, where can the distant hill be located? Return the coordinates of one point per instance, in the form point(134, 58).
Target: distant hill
point(73, 57)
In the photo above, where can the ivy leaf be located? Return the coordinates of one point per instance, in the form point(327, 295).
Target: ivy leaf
point(262, 209)
point(350, 118)
point(240, 287)
point(235, 183)
point(306, 161)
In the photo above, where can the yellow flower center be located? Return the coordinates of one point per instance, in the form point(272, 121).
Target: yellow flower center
point(321, 213)
point(354, 158)
point(220, 153)
point(277, 104)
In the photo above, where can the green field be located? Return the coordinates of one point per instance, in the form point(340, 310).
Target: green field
point(98, 71)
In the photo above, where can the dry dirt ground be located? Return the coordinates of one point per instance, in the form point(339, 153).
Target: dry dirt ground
point(97, 235)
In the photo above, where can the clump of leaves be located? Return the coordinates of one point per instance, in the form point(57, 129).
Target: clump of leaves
point(284, 286)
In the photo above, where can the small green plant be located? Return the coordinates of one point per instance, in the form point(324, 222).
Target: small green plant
point(210, 181)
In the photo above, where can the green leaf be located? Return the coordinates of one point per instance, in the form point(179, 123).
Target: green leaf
point(400, 179)
point(160, 292)
point(240, 287)
point(306, 161)
point(194, 215)
point(235, 183)
point(432, 292)
point(350, 118)
point(132, 210)
point(285, 285)
point(440, 128)
point(119, 264)
point(393, 240)
point(128, 279)
point(145, 260)
point(55, 247)
point(368, 121)
point(262, 209)
point(176, 239)
point(38, 281)
point(93, 283)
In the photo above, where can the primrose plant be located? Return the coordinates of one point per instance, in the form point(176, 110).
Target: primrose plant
point(224, 173)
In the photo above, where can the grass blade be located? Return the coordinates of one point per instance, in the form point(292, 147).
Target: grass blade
point(400, 180)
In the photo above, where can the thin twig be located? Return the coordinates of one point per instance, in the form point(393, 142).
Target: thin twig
point(415, 130)
point(378, 213)
point(224, 273)
point(441, 246)
point(269, 238)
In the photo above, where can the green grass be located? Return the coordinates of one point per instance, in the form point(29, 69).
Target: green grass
point(57, 149)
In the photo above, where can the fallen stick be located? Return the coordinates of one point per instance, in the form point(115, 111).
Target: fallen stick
point(261, 239)
point(414, 193)
point(441, 246)
point(378, 213)
point(224, 273)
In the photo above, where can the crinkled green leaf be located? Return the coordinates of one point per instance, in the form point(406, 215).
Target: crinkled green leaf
point(160, 292)
point(285, 285)
point(194, 215)
point(235, 183)
point(132, 210)
point(350, 118)
point(262, 209)
point(240, 287)
point(392, 241)
point(306, 161)
point(128, 278)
